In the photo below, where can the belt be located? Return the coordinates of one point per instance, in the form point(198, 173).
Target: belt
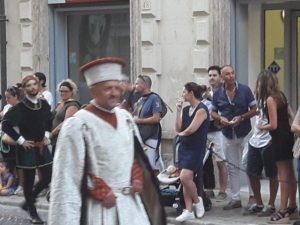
point(123, 190)
point(40, 145)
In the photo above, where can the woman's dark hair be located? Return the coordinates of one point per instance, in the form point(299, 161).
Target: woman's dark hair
point(16, 91)
point(198, 90)
point(267, 85)
point(66, 84)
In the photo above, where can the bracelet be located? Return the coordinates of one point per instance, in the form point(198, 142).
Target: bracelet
point(242, 118)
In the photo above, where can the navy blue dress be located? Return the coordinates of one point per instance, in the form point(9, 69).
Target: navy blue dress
point(192, 147)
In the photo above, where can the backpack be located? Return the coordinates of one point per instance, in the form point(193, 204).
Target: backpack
point(164, 105)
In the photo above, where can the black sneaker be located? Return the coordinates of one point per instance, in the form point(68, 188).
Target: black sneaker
point(233, 204)
point(254, 209)
point(34, 217)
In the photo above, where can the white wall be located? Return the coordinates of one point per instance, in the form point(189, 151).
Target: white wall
point(27, 39)
point(13, 37)
point(176, 48)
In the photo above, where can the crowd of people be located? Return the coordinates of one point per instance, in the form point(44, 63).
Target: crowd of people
point(268, 147)
point(86, 144)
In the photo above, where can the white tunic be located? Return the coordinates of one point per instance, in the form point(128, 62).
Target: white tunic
point(110, 157)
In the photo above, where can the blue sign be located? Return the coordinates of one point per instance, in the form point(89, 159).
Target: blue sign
point(274, 67)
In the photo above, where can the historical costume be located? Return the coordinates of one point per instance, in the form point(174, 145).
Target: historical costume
point(32, 120)
point(29, 124)
point(96, 153)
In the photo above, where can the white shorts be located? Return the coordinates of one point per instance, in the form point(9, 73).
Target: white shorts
point(217, 138)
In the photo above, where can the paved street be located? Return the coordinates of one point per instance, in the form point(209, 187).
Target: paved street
point(12, 215)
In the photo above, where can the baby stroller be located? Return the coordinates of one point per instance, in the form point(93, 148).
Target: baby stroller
point(171, 188)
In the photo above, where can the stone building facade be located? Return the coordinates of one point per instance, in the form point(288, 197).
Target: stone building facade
point(173, 41)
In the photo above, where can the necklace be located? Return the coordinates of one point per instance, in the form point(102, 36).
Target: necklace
point(101, 108)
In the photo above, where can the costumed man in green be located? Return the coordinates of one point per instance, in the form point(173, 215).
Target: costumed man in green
point(29, 124)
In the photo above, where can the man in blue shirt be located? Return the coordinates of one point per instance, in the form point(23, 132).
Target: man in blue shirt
point(147, 116)
point(236, 105)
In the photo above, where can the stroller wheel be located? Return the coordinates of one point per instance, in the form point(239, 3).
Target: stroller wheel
point(179, 209)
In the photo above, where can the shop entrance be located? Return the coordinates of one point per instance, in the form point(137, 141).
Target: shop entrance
point(282, 49)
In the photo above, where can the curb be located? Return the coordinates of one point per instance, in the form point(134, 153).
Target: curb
point(17, 201)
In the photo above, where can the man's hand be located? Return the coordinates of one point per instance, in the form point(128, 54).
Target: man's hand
point(137, 186)
point(224, 121)
point(136, 119)
point(28, 144)
point(47, 141)
point(236, 121)
point(109, 200)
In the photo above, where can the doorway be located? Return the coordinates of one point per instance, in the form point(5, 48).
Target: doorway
point(83, 34)
point(282, 48)
point(295, 63)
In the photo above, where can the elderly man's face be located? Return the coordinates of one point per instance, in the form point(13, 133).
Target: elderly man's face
point(106, 94)
point(228, 75)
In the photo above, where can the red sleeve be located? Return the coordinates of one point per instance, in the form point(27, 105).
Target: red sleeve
point(100, 189)
point(136, 172)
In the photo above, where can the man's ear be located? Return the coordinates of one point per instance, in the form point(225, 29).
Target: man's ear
point(92, 90)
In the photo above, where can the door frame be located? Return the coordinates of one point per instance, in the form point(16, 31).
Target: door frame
point(294, 52)
point(290, 88)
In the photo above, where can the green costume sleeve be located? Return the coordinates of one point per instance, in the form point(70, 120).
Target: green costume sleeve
point(11, 119)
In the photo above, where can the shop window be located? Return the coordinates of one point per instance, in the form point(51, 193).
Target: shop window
point(274, 43)
point(94, 36)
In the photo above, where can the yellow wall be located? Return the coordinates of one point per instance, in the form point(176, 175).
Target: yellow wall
point(274, 38)
point(298, 63)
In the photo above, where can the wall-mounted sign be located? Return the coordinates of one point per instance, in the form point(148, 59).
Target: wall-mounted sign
point(274, 67)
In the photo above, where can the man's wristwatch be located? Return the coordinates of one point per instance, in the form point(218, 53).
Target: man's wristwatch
point(242, 118)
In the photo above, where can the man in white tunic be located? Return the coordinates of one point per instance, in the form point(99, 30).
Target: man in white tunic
point(98, 174)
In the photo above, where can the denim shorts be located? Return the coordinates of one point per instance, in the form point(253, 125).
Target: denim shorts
point(259, 159)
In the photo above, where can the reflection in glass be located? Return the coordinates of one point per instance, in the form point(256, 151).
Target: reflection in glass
point(94, 36)
point(274, 42)
point(298, 59)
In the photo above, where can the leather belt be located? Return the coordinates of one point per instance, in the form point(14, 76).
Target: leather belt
point(123, 190)
point(40, 145)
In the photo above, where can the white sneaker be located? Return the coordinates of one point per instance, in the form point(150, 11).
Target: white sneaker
point(199, 208)
point(19, 191)
point(185, 215)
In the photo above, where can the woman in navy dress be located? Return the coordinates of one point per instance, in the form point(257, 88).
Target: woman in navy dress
point(192, 124)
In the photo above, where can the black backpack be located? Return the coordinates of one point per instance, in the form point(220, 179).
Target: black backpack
point(164, 105)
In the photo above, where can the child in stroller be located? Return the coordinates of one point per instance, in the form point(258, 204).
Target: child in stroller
point(171, 188)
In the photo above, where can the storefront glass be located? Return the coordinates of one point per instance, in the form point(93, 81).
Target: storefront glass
point(93, 36)
point(274, 43)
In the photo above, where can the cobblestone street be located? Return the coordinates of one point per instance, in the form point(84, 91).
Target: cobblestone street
point(12, 215)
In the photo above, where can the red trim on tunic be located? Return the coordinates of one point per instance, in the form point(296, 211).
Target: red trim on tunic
point(108, 117)
point(136, 172)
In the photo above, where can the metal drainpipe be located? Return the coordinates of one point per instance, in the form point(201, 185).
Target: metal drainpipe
point(3, 68)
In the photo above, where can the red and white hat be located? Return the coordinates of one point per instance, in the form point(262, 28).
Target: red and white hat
point(102, 70)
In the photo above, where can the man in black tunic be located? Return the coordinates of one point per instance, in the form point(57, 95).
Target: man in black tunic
point(29, 124)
